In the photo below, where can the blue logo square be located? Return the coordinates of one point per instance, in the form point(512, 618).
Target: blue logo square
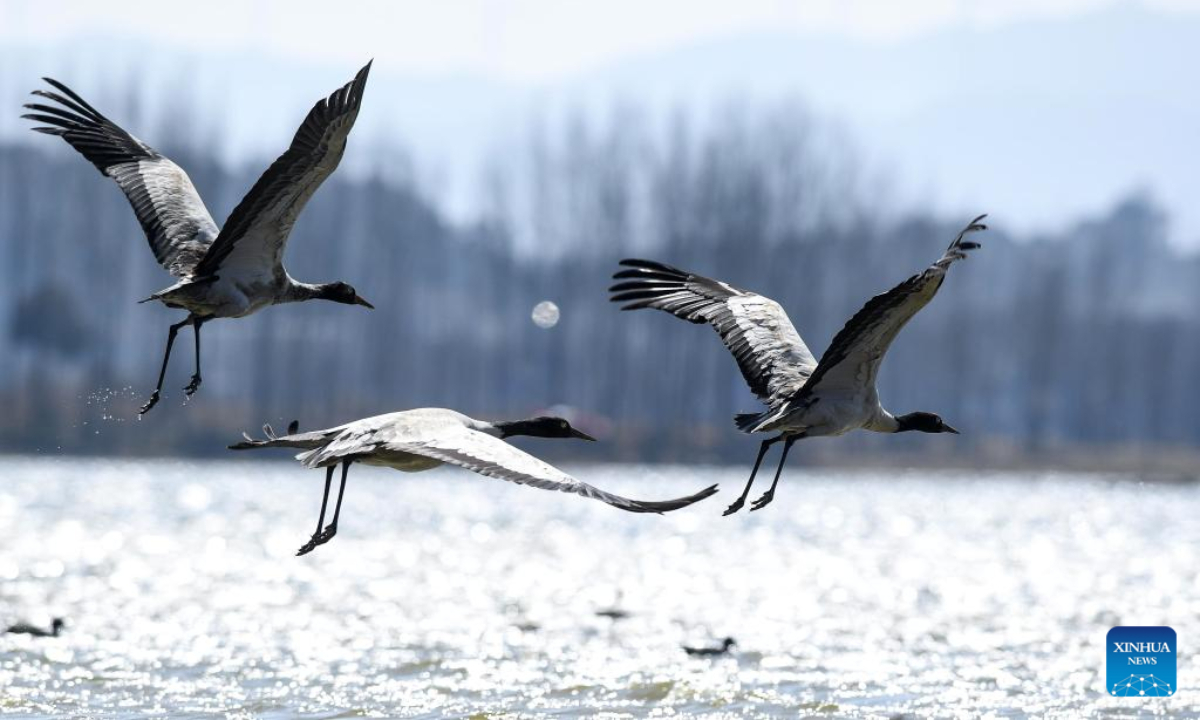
point(1141, 662)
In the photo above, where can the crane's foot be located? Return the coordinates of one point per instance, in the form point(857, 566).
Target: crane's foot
point(309, 546)
point(149, 404)
point(326, 535)
point(737, 505)
point(763, 501)
point(318, 538)
point(193, 386)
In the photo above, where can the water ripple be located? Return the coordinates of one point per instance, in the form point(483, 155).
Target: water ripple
point(854, 595)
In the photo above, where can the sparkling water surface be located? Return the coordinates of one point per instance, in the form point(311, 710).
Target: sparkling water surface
point(856, 594)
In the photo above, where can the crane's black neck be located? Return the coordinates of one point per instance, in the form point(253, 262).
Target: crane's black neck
point(921, 422)
point(513, 428)
point(299, 291)
point(545, 426)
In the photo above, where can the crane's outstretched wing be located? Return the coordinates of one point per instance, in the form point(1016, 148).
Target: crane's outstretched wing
point(852, 359)
point(171, 213)
point(455, 445)
point(491, 456)
point(257, 230)
point(770, 353)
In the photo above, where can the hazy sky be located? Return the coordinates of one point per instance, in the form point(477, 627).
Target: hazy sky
point(514, 40)
point(1063, 107)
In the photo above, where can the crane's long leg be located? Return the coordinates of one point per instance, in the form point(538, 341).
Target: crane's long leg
point(769, 495)
point(163, 372)
point(312, 542)
point(331, 529)
point(194, 385)
point(762, 450)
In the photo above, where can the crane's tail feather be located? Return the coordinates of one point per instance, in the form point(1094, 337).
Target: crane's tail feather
point(748, 422)
point(293, 439)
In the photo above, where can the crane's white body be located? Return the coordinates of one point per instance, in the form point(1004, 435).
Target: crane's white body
point(236, 270)
point(424, 438)
point(804, 397)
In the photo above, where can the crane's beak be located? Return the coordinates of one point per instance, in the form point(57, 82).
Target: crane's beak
point(581, 435)
point(359, 301)
point(947, 428)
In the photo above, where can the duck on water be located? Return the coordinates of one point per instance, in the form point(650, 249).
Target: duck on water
point(24, 628)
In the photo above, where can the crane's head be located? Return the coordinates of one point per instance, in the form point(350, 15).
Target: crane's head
point(344, 293)
point(543, 426)
point(923, 422)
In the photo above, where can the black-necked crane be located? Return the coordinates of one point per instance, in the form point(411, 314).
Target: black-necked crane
point(425, 438)
point(804, 398)
point(237, 270)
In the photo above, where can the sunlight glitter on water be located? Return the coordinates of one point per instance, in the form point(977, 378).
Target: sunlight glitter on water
point(853, 595)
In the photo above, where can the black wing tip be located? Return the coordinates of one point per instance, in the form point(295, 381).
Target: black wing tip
point(62, 87)
point(354, 89)
point(69, 107)
point(648, 264)
point(975, 225)
point(650, 270)
point(54, 84)
point(360, 78)
point(665, 506)
point(622, 286)
point(643, 293)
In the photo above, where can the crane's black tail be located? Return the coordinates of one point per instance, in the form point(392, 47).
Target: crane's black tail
point(293, 439)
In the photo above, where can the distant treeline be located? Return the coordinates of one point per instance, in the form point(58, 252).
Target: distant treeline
point(1087, 336)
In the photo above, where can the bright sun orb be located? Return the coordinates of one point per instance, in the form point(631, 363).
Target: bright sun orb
point(545, 314)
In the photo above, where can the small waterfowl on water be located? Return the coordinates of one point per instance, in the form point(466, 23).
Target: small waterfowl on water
point(615, 611)
point(804, 398)
point(23, 628)
point(238, 270)
point(422, 439)
point(723, 649)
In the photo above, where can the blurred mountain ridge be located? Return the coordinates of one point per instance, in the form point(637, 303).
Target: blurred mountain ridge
point(1043, 120)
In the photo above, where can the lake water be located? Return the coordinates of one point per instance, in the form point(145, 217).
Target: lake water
point(907, 594)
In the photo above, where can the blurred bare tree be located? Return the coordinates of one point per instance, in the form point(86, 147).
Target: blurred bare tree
point(1083, 336)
